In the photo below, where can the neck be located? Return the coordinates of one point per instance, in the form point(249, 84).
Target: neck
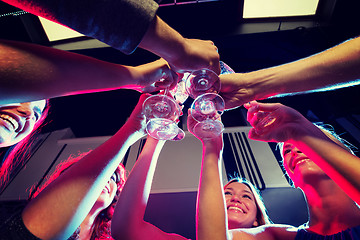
point(86, 225)
point(330, 209)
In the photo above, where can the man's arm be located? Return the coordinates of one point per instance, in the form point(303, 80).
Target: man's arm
point(124, 24)
point(31, 72)
point(334, 68)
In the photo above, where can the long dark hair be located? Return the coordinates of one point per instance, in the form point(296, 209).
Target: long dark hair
point(17, 154)
point(102, 222)
point(262, 216)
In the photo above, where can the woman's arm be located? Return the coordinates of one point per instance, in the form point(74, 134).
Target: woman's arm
point(211, 219)
point(286, 124)
point(128, 220)
point(334, 68)
point(62, 206)
point(31, 72)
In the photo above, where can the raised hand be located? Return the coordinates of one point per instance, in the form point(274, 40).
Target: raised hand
point(137, 120)
point(155, 76)
point(216, 143)
point(197, 54)
point(235, 90)
point(274, 122)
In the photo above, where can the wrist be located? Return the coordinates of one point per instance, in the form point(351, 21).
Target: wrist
point(264, 83)
point(133, 134)
point(210, 147)
point(302, 130)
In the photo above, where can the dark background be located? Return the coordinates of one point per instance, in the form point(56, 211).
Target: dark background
point(100, 114)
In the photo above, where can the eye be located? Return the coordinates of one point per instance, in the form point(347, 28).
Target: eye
point(114, 177)
point(247, 196)
point(37, 114)
point(286, 151)
point(227, 193)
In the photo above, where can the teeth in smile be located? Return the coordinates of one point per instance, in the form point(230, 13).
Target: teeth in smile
point(301, 161)
point(236, 209)
point(9, 119)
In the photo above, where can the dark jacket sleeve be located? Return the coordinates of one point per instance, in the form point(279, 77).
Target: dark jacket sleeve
point(14, 229)
point(118, 23)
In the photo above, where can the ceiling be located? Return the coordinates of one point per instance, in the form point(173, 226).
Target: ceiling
point(243, 44)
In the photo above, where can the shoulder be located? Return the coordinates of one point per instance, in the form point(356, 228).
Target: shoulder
point(14, 228)
point(265, 232)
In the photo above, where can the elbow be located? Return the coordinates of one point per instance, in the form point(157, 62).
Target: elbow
point(118, 233)
point(119, 229)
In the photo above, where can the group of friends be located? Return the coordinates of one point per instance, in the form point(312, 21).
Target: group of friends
point(90, 197)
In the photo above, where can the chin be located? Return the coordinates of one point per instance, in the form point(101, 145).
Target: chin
point(233, 224)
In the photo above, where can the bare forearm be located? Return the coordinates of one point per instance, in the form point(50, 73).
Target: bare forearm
point(211, 224)
point(60, 208)
point(335, 67)
point(128, 219)
point(31, 72)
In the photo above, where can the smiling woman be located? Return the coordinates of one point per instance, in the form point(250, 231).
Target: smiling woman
point(19, 123)
point(245, 207)
point(104, 205)
point(18, 120)
point(81, 194)
point(317, 163)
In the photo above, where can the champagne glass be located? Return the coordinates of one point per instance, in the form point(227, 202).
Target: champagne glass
point(205, 81)
point(161, 106)
point(203, 85)
point(179, 91)
point(207, 109)
point(202, 81)
point(225, 69)
point(162, 113)
point(164, 129)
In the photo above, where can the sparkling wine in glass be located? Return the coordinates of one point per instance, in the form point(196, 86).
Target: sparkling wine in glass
point(179, 91)
point(162, 113)
point(207, 109)
point(164, 129)
point(202, 81)
point(161, 106)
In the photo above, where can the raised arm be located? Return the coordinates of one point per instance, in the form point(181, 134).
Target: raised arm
point(334, 68)
point(284, 124)
point(31, 72)
point(124, 25)
point(211, 219)
point(128, 220)
point(62, 206)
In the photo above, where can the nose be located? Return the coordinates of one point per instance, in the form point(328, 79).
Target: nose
point(235, 198)
point(295, 152)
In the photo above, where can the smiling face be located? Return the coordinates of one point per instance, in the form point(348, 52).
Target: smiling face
point(241, 206)
point(298, 165)
point(18, 120)
point(107, 195)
